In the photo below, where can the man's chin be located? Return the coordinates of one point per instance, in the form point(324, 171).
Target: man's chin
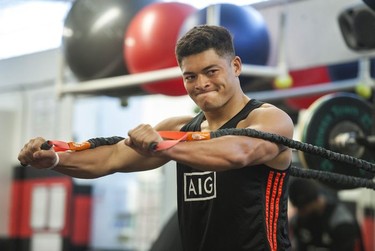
point(206, 101)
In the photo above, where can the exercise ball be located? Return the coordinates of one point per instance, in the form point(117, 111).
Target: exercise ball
point(150, 43)
point(307, 77)
point(93, 36)
point(249, 29)
point(342, 71)
point(348, 70)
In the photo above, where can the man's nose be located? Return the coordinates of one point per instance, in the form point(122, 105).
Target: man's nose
point(202, 81)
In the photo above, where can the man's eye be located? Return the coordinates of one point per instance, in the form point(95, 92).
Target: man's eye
point(189, 78)
point(211, 72)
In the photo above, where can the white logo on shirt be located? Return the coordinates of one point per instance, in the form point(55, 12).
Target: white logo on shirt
point(199, 186)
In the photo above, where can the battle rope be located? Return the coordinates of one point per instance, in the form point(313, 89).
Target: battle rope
point(175, 137)
point(308, 148)
point(332, 178)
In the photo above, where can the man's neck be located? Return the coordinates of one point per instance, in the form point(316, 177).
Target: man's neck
point(216, 119)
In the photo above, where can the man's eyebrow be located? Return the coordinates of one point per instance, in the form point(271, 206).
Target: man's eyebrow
point(188, 73)
point(204, 69)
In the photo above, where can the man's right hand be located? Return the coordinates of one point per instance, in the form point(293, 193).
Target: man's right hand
point(32, 154)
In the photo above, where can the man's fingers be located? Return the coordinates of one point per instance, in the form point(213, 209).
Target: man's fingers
point(128, 142)
point(44, 154)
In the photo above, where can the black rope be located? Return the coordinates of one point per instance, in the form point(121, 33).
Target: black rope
point(95, 142)
point(324, 176)
point(332, 178)
point(305, 147)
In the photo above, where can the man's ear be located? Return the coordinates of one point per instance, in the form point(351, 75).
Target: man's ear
point(237, 65)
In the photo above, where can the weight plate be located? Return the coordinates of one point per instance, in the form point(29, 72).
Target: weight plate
point(329, 116)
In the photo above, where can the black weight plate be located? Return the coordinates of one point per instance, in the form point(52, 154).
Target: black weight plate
point(324, 119)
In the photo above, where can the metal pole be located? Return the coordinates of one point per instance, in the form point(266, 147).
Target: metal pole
point(323, 88)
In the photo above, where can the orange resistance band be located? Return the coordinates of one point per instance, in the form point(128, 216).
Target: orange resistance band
point(60, 146)
point(171, 139)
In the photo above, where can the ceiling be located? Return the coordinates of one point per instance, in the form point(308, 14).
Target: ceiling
point(31, 26)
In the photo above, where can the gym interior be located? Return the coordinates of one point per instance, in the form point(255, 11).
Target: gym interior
point(98, 68)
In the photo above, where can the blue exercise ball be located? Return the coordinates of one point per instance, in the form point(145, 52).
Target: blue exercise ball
point(348, 70)
point(343, 71)
point(248, 27)
point(94, 34)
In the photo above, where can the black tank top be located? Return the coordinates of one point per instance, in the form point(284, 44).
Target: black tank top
point(234, 210)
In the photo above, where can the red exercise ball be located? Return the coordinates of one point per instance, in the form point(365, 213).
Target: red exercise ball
point(307, 77)
point(150, 42)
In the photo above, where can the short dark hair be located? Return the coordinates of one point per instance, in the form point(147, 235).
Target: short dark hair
point(204, 37)
point(303, 191)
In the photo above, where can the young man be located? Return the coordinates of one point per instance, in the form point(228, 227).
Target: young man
point(231, 189)
point(322, 221)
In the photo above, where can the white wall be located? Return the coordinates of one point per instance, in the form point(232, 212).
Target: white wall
point(28, 108)
point(312, 32)
point(28, 69)
point(7, 122)
point(27, 88)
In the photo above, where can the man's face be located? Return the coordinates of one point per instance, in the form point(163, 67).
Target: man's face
point(210, 80)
